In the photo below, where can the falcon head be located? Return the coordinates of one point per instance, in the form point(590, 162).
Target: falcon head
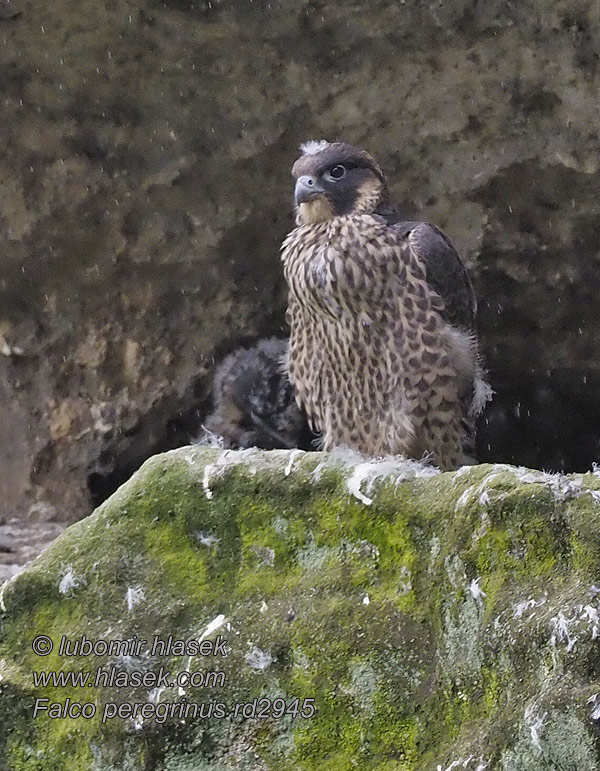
point(333, 179)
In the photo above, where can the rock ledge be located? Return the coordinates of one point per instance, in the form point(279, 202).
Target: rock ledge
point(437, 620)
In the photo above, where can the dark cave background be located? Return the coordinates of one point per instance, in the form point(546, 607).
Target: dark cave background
point(145, 191)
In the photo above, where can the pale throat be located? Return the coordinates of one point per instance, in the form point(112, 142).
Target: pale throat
point(369, 195)
point(318, 210)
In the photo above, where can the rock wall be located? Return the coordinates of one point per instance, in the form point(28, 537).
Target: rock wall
point(433, 621)
point(144, 190)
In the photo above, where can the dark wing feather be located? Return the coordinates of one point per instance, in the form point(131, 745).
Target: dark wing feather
point(445, 271)
point(390, 212)
point(450, 279)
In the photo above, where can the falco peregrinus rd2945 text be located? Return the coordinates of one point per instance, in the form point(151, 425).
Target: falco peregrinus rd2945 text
point(382, 350)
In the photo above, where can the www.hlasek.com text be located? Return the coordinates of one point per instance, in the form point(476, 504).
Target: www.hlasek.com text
point(113, 677)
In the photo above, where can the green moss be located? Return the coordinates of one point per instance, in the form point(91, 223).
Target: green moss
point(368, 610)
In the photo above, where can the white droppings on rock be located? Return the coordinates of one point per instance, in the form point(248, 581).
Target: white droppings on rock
point(520, 608)
point(561, 631)
point(482, 765)
point(477, 592)
point(467, 469)
point(215, 624)
point(134, 595)
point(480, 491)
point(534, 720)
point(229, 459)
point(69, 582)
point(258, 659)
point(483, 528)
point(354, 483)
point(137, 723)
point(340, 456)
point(529, 476)
point(583, 619)
point(154, 695)
point(463, 499)
point(208, 469)
point(207, 539)
point(398, 469)
point(460, 473)
point(595, 714)
point(294, 454)
point(562, 488)
point(3, 588)
point(590, 614)
point(362, 470)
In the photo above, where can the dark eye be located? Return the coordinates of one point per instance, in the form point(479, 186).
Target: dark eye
point(337, 172)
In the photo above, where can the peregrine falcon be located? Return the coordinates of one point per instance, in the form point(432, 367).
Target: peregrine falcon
point(382, 351)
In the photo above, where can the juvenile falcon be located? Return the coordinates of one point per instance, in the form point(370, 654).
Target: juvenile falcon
point(382, 351)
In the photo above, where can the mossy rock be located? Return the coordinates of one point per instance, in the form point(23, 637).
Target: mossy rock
point(433, 621)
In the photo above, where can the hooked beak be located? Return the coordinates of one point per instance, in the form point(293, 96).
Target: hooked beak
point(307, 189)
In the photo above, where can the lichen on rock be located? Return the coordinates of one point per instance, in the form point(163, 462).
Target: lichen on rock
point(438, 621)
